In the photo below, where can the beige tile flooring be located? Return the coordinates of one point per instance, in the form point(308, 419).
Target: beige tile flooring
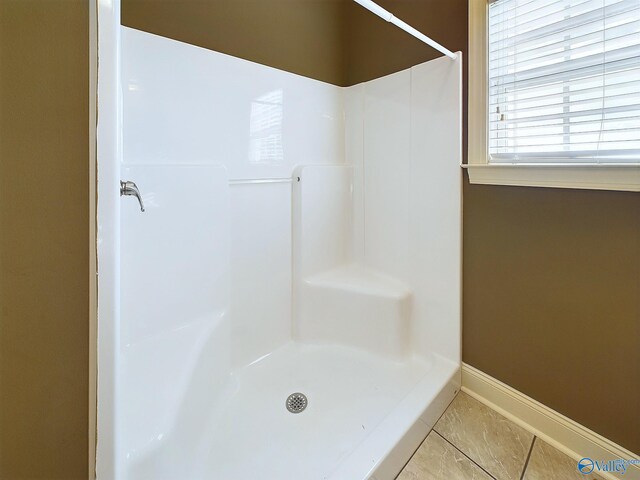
point(473, 442)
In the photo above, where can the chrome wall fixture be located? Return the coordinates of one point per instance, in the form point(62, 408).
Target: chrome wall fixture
point(128, 188)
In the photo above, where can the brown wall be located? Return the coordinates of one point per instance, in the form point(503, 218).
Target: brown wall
point(552, 300)
point(374, 48)
point(300, 36)
point(551, 277)
point(44, 233)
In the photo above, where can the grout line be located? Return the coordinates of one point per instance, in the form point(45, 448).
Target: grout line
point(467, 456)
point(445, 410)
point(433, 429)
point(526, 463)
point(414, 453)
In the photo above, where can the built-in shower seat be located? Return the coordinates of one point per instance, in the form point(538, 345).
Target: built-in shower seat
point(358, 307)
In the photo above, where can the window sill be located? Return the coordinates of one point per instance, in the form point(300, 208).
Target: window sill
point(581, 176)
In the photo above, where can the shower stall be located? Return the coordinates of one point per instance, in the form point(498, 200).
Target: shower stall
point(287, 305)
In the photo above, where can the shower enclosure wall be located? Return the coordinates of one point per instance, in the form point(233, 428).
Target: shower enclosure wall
point(297, 237)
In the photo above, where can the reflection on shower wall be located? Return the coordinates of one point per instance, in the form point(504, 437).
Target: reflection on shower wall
point(213, 128)
point(188, 105)
point(265, 145)
point(282, 209)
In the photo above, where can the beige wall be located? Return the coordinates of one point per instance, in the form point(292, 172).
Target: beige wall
point(44, 232)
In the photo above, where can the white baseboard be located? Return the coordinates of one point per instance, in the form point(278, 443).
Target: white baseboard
point(563, 433)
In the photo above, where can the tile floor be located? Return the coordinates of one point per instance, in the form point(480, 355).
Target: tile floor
point(473, 442)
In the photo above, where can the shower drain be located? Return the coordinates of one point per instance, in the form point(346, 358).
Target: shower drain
point(296, 402)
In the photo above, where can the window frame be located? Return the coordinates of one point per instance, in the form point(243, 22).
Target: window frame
point(596, 176)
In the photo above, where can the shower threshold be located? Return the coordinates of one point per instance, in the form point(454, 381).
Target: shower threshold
point(365, 416)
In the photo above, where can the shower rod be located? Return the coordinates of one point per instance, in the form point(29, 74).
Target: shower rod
point(388, 16)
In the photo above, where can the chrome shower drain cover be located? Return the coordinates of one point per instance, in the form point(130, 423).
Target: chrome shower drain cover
point(296, 402)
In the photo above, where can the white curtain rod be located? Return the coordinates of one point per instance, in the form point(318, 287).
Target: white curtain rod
point(385, 15)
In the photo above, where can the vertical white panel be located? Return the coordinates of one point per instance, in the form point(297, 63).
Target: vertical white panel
point(108, 156)
point(354, 155)
point(260, 269)
point(174, 290)
point(436, 205)
point(387, 115)
point(404, 142)
point(175, 254)
point(324, 225)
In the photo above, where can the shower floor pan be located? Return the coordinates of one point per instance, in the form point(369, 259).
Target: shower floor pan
point(364, 417)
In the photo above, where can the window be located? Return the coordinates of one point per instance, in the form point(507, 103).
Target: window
point(561, 87)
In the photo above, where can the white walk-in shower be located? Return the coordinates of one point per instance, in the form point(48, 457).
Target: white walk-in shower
point(297, 237)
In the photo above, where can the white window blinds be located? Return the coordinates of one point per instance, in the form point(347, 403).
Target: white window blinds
point(564, 81)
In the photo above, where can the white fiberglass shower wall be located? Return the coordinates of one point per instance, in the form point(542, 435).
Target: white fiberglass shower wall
point(297, 237)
